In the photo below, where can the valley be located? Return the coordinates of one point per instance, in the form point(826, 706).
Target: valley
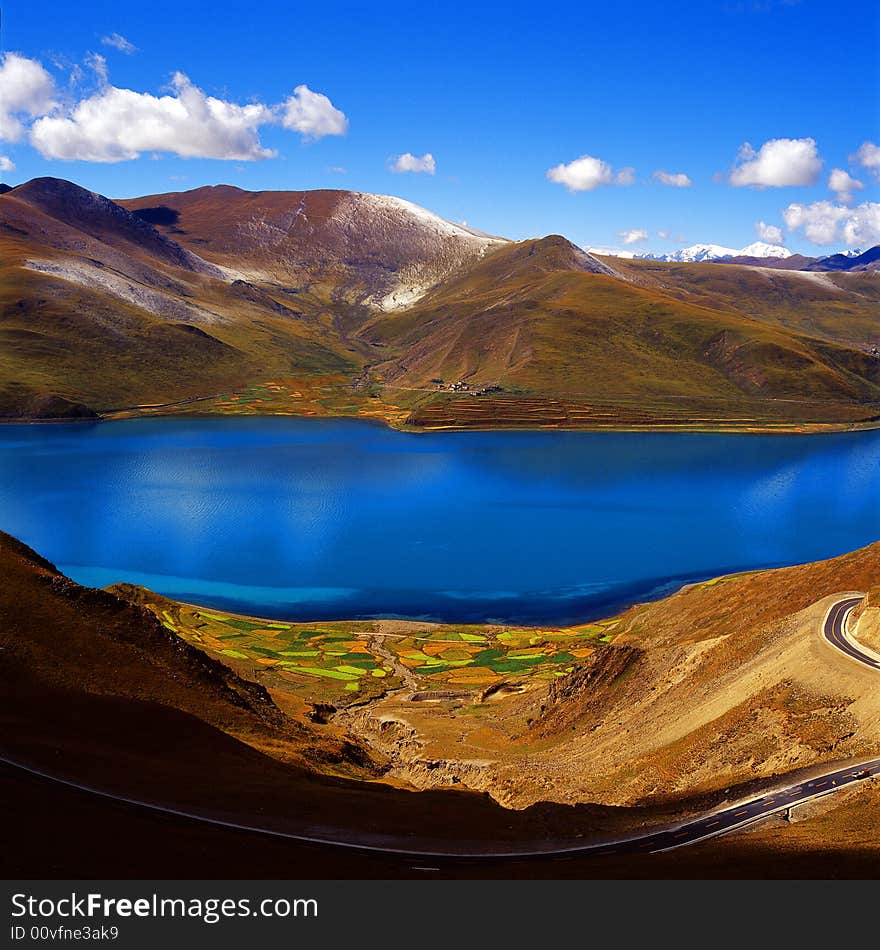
point(571, 750)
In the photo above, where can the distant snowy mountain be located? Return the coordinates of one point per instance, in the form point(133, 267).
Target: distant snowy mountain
point(852, 252)
point(694, 254)
point(717, 252)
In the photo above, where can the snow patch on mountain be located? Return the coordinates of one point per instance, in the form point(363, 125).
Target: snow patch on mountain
point(393, 206)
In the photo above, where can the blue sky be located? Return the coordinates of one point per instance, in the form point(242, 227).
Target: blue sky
point(498, 94)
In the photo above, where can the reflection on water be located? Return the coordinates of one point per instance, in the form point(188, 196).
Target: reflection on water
point(342, 518)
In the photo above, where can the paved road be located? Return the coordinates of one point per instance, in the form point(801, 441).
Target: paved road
point(744, 813)
point(708, 826)
point(834, 631)
point(711, 825)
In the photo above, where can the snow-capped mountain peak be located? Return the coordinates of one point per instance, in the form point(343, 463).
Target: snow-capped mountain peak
point(762, 249)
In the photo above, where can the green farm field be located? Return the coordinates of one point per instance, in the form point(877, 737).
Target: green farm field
point(356, 661)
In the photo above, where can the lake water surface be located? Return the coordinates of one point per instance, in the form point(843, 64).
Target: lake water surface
point(312, 519)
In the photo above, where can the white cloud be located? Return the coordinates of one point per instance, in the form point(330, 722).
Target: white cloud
point(820, 221)
point(119, 42)
point(6, 164)
point(769, 232)
point(337, 169)
point(868, 156)
point(673, 179)
point(663, 234)
point(843, 184)
point(26, 90)
point(862, 227)
point(114, 125)
point(412, 163)
point(826, 223)
point(587, 173)
point(778, 163)
point(633, 235)
point(606, 251)
point(313, 115)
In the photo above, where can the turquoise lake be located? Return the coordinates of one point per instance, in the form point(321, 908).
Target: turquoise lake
point(318, 519)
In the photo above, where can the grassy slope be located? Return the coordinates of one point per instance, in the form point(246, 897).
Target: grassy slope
point(838, 307)
point(591, 338)
point(191, 335)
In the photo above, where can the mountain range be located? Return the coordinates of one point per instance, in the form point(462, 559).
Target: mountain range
point(326, 302)
point(716, 252)
point(770, 255)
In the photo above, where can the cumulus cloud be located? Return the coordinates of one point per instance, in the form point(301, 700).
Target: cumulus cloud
point(26, 91)
point(826, 223)
point(587, 173)
point(117, 41)
point(843, 184)
point(633, 235)
point(115, 124)
point(778, 163)
point(6, 164)
point(673, 179)
point(112, 124)
point(868, 156)
point(769, 232)
point(313, 115)
point(412, 163)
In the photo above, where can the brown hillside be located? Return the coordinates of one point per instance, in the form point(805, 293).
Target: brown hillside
point(723, 683)
point(343, 246)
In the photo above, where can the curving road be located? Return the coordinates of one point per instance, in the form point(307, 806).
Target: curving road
point(711, 825)
point(834, 631)
point(700, 829)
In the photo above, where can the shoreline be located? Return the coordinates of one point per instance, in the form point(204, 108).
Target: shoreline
point(782, 428)
point(612, 608)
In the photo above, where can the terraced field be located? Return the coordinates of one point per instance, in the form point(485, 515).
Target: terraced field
point(452, 411)
point(317, 395)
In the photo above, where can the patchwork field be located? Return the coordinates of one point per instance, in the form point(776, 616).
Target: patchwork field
point(344, 662)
